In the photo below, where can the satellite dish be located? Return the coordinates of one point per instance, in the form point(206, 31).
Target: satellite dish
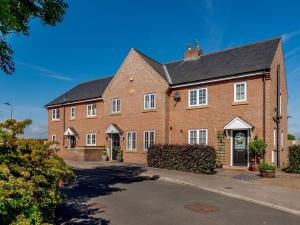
point(177, 96)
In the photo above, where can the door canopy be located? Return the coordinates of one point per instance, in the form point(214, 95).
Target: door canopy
point(113, 129)
point(70, 132)
point(238, 124)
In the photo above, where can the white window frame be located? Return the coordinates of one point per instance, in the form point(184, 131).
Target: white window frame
point(91, 138)
point(129, 143)
point(114, 105)
point(71, 112)
point(90, 111)
point(144, 140)
point(53, 138)
point(245, 96)
point(55, 114)
point(154, 101)
point(198, 136)
point(197, 97)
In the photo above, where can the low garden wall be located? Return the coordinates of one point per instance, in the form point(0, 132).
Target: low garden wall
point(190, 158)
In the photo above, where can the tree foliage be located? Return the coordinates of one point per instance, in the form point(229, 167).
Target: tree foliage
point(14, 19)
point(257, 147)
point(30, 176)
point(291, 137)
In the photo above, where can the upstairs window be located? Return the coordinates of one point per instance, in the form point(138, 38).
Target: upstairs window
point(149, 101)
point(55, 114)
point(131, 141)
point(198, 97)
point(116, 105)
point(91, 139)
point(91, 110)
point(149, 138)
point(72, 112)
point(240, 92)
point(198, 136)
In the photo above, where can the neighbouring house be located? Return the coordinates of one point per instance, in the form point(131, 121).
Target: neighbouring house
point(224, 99)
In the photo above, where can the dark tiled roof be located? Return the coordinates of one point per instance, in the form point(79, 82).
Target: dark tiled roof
point(158, 67)
point(84, 91)
point(244, 59)
point(248, 58)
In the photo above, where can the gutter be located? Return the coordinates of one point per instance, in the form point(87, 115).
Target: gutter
point(219, 79)
point(74, 102)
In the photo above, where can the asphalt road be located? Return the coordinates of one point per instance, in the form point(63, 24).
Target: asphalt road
point(119, 195)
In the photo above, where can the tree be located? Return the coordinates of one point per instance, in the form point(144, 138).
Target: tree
point(14, 19)
point(291, 137)
point(30, 177)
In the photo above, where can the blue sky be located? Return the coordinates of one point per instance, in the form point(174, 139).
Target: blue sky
point(95, 36)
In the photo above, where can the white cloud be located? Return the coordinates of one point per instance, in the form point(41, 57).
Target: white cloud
point(294, 52)
point(44, 72)
point(287, 36)
point(36, 131)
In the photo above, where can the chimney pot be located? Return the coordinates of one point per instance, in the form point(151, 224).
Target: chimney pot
point(192, 53)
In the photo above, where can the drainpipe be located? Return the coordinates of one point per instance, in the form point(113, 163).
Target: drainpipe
point(277, 120)
point(264, 107)
point(64, 125)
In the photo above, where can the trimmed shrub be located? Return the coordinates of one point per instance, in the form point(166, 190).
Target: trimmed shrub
point(294, 159)
point(189, 158)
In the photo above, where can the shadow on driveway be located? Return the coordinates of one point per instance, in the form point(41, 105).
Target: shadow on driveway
point(93, 183)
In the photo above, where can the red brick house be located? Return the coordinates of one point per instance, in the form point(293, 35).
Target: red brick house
point(224, 99)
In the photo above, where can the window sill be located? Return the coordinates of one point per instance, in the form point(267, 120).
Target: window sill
point(197, 107)
point(72, 119)
point(240, 103)
point(115, 114)
point(130, 151)
point(91, 117)
point(149, 110)
point(55, 120)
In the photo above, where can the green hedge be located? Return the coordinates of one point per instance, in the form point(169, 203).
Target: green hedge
point(294, 159)
point(190, 158)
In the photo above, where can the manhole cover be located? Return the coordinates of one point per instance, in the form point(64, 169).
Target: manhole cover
point(200, 207)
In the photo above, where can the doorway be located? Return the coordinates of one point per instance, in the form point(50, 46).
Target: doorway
point(115, 144)
point(239, 147)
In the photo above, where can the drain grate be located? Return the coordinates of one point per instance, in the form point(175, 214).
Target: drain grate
point(228, 187)
point(201, 207)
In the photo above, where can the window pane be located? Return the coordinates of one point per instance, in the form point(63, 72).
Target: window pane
point(151, 141)
point(193, 137)
point(146, 140)
point(202, 136)
point(133, 140)
point(202, 96)
point(193, 97)
point(152, 101)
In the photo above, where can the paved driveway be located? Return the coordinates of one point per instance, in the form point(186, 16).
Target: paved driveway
point(119, 195)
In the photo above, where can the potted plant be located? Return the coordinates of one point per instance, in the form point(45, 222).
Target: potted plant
point(104, 155)
point(120, 155)
point(267, 170)
point(257, 149)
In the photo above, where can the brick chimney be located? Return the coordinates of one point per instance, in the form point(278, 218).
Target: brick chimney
point(192, 53)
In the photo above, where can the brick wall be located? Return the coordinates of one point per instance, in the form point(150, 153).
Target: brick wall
point(170, 120)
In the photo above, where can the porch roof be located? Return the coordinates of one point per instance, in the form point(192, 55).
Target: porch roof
point(237, 124)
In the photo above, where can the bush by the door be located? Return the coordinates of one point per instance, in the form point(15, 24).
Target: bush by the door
point(294, 159)
point(190, 158)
